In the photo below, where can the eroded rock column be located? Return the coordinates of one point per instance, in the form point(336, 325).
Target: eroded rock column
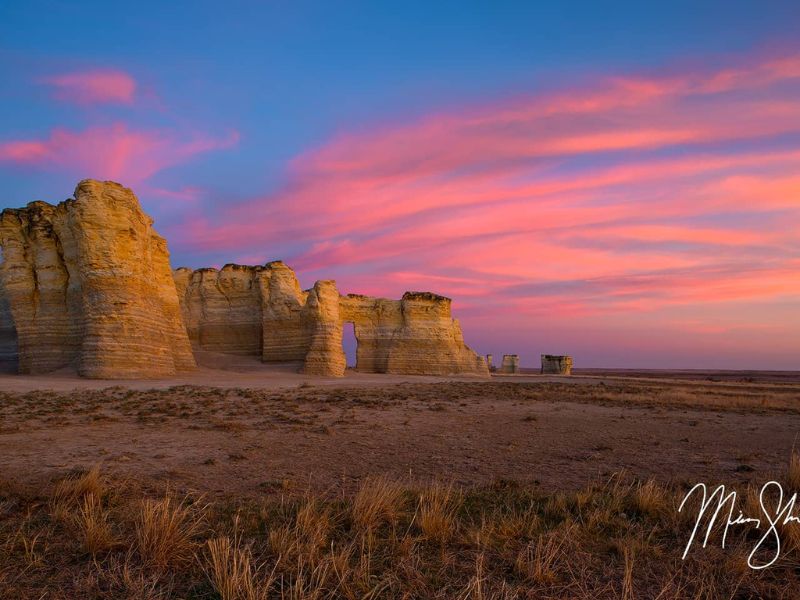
point(325, 354)
point(222, 309)
point(9, 355)
point(43, 301)
point(89, 285)
point(285, 335)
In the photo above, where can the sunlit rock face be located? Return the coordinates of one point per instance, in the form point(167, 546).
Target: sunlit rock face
point(322, 316)
point(43, 301)
point(222, 308)
point(415, 335)
point(89, 286)
point(286, 331)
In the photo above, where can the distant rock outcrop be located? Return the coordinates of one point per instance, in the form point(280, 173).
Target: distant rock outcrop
point(88, 284)
point(556, 364)
point(510, 364)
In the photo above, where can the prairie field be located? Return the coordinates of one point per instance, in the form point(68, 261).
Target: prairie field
point(516, 487)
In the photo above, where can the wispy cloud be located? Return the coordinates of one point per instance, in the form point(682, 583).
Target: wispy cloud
point(106, 86)
point(118, 151)
point(631, 194)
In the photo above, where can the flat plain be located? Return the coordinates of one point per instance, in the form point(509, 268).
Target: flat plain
point(452, 488)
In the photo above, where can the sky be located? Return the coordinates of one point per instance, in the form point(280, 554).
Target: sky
point(617, 181)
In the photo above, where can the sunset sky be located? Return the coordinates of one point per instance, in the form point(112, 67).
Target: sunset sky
point(621, 184)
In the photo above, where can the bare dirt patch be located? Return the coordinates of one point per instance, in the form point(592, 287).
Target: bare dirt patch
point(254, 441)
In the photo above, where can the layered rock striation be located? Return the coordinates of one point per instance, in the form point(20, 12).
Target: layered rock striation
point(510, 364)
point(88, 285)
point(415, 335)
point(222, 308)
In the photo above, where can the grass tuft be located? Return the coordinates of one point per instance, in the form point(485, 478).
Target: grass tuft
point(230, 569)
point(379, 500)
point(93, 527)
point(165, 531)
point(70, 492)
point(436, 514)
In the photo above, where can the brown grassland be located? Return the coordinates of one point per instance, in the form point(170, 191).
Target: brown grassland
point(466, 525)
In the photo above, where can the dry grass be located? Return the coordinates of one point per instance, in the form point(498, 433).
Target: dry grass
point(436, 514)
point(621, 538)
point(95, 538)
point(70, 492)
point(93, 527)
point(165, 531)
point(379, 500)
point(650, 499)
point(229, 566)
point(793, 471)
point(538, 560)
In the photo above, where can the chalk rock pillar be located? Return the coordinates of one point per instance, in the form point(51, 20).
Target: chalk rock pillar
point(43, 301)
point(89, 285)
point(286, 338)
point(510, 363)
point(8, 335)
point(325, 353)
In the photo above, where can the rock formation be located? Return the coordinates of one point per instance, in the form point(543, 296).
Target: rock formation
point(510, 363)
point(222, 309)
point(286, 333)
point(8, 335)
point(88, 284)
point(414, 335)
point(556, 364)
point(323, 322)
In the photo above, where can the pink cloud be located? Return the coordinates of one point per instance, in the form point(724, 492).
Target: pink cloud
point(106, 86)
point(115, 152)
point(637, 195)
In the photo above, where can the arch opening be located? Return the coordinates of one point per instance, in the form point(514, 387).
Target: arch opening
point(350, 344)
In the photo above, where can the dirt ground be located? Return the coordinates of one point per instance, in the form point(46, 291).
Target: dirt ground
point(251, 431)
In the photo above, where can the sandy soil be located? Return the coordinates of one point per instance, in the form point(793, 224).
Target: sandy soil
point(262, 432)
